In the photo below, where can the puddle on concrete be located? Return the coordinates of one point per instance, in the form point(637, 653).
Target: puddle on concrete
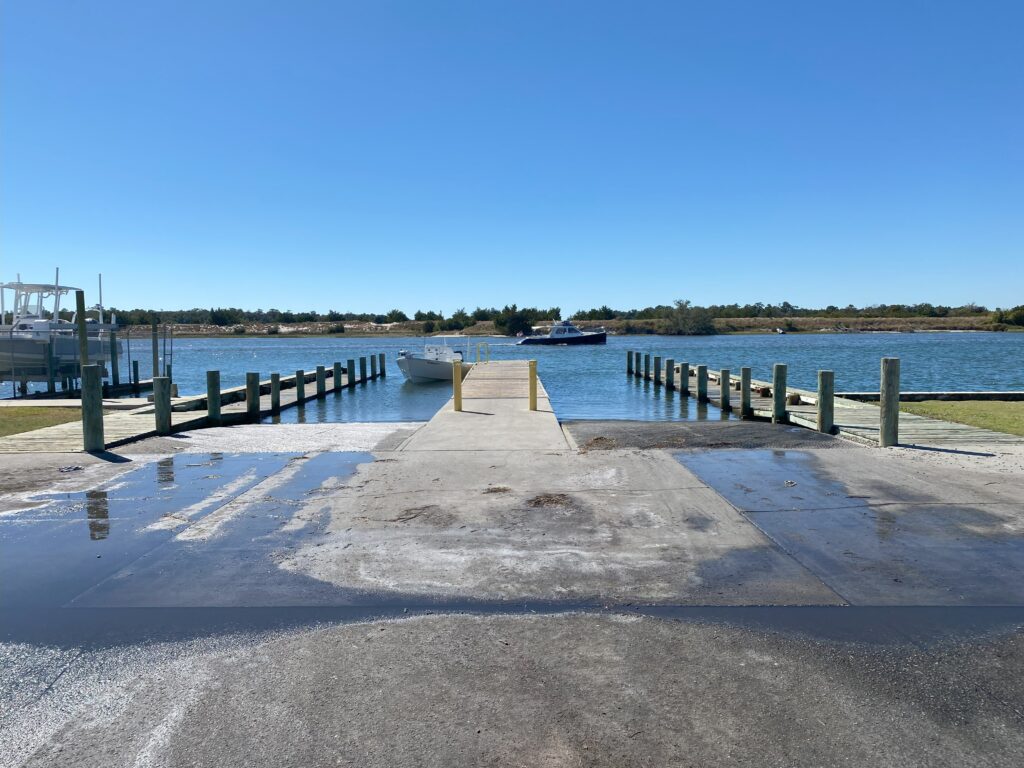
point(126, 544)
point(914, 553)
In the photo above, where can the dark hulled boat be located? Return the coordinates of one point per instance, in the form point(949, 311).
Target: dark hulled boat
point(567, 333)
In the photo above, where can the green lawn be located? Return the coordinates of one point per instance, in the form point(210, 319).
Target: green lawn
point(23, 419)
point(988, 414)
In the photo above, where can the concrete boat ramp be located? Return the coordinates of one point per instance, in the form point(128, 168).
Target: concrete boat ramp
point(495, 588)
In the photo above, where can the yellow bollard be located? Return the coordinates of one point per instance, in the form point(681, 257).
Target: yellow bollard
point(533, 385)
point(457, 384)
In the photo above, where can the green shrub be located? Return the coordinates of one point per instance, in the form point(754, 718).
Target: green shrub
point(238, 330)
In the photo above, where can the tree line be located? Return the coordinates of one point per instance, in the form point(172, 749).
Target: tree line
point(682, 317)
point(785, 309)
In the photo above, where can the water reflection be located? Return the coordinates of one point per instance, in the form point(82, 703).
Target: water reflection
point(165, 471)
point(97, 511)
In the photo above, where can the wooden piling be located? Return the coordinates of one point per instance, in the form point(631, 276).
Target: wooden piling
point(745, 410)
point(533, 385)
point(167, 371)
point(457, 385)
point(300, 387)
point(362, 370)
point(252, 396)
point(337, 377)
point(162, 404)
point(724, 388)
point(670, 374)
point(92, 409)
point(637, 371)
point(275, 393)
point(115, 368)
point(154, 336)
point(657, 370)
point(702, 383)
point(889, 402)
point(779, 393)
point(373, 367)
point(83, 335)
point(629, 363)
point(381, 369)
point(136, 387)
point(826, 401)
point(213, 398)
point(321, 381)
point(51, 369)
point(684, 379)
point(350, 372)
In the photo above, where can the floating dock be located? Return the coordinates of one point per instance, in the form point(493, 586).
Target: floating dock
point(495, 415)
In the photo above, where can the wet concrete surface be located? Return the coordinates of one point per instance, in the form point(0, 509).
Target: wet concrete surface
point(712, 434)
point(619, 606)
point(185, 532)
point(923, 550)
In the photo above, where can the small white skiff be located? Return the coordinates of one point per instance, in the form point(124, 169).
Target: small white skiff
point(435, 364)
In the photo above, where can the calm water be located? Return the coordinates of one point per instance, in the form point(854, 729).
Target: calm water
point(590, 382)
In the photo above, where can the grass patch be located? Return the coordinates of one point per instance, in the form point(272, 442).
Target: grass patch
point(24, 419)
point(999, 416)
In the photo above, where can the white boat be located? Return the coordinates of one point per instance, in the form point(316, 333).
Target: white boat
point(435, 364)
point(33, 330)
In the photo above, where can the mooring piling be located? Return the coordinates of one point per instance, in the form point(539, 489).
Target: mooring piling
point(300, 387)
point(83, 336)
point(702, 383)
point(92, 408)
point(684, 379)
point(136, 387)
point(321, 381)
point(115, 368)
point(382, 371)
point(889, 402)
point(724, 387)
point(533, 385)
point(457, 385)
point(637, 371)
point(162, 404)
point(350, 372)
point(778, 393)
point(213, 398)
point(745, 410)
point(373, 367)
point(336, 376)
point(670, 374)
point(629, 363)
point(657, 371)
point(275, 392)
point(156, 351)
point(826, 401)
point(362, 370)
point(252, 396)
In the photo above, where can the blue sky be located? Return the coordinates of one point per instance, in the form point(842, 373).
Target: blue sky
point(363, 156)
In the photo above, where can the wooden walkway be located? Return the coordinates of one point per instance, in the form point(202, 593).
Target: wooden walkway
point(121, 427)
point(858, 420)
point(495, 415)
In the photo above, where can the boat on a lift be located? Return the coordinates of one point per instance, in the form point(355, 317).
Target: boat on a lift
point(567, 333)
point(29, 330)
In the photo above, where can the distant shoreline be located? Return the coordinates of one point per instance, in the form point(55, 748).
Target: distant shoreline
point(723, 326)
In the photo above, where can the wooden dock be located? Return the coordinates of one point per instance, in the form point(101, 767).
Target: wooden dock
point(495, 415)
point(187, 413)
point(857, 420)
